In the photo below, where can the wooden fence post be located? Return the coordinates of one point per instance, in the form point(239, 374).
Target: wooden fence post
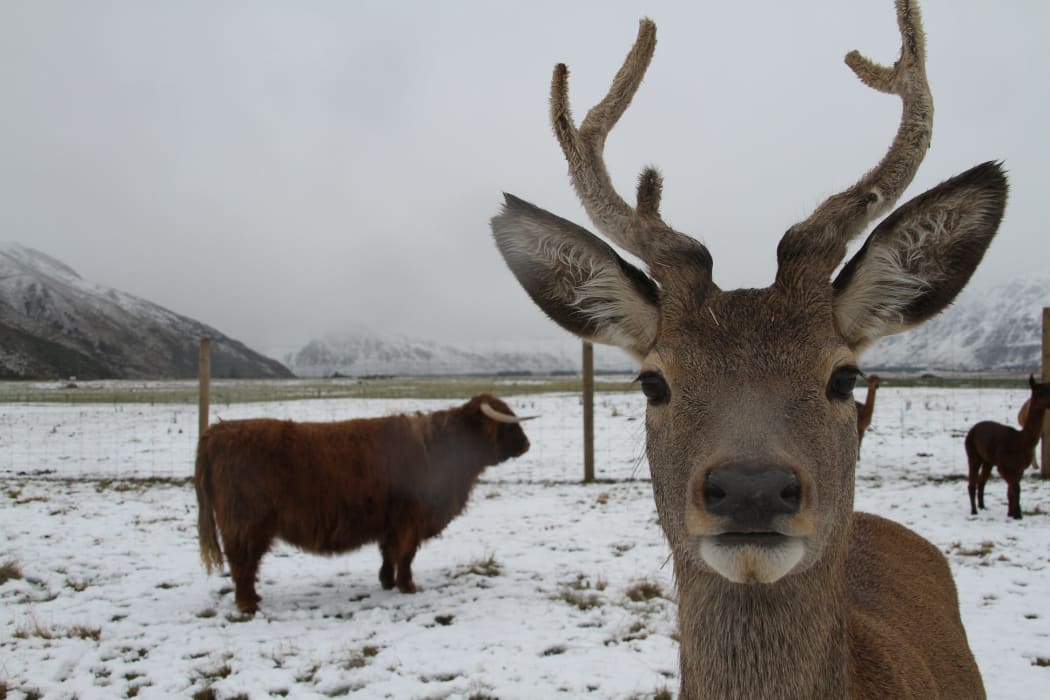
point(588, 412)
point(204, 381)
point(1045, 469)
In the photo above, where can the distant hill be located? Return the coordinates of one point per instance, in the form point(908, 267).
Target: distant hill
point(54, 324)
point(992, 328)
point(996, 329)
point(364, 352)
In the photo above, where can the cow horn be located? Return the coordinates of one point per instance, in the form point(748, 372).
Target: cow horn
point(503, 417)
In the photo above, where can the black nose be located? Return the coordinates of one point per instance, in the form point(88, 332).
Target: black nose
point(751, 495)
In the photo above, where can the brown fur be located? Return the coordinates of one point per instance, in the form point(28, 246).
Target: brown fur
point(865, 410)
point(1010, 451)
point(783, 590)
point(334, 487)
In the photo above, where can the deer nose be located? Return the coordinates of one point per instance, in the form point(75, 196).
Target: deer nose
point(751, 495)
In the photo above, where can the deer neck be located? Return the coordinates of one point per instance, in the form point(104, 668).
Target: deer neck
point(784, 640)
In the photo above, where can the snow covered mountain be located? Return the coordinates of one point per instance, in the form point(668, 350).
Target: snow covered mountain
point(364, 352)
point(55, 324)
point(986, 329)
point(997, 328)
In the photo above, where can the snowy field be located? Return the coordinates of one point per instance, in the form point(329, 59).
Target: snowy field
point(543, 587)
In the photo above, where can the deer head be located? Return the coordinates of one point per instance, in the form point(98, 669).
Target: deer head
point(751, 423)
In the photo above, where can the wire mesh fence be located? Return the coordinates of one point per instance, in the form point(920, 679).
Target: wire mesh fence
point(151, 430)
point(142, 430)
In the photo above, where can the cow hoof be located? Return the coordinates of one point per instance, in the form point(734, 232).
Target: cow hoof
point(407, 587)
point(248, 608)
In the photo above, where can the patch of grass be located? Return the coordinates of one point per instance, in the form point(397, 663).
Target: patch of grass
point(983, 550)
point(10, 571)
point(215, 674)
point(579, 592)
point(485, 567)
point(238, 617)
point(582, 582)
point(207, 613)
point(78, 586)
point(1041, 661)
point(27, 693)
point(636, 631)
point(644, 590)
point(359, 659)
point(33, 628)
point(583, 601)
point(555, 650)
point(308, 676)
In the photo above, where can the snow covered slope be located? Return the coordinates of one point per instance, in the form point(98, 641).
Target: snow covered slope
point(55, 324)
point(364, 352)
point(997, 328)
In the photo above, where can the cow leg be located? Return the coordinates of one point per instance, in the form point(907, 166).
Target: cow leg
point(404, 569)
point(386, 572)
point(244, 555)
point(399, 548)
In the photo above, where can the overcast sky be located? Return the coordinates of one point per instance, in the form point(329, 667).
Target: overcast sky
point(282, 170)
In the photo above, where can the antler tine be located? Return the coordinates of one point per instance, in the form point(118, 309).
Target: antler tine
point(818, 244)
point(640, 231)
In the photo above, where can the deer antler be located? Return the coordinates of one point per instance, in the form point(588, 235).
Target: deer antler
point(640, 231)
point(816, 245)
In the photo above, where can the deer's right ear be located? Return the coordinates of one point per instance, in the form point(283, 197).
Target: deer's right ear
point(577, 279)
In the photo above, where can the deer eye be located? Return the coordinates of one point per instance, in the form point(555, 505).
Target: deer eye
point(842, 382)
point(655, 388)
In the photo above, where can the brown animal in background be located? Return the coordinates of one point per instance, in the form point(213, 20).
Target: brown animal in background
point(864, 410)
point(990, 444)
point(783, 591)
point(1022, 418)
point(333, 487)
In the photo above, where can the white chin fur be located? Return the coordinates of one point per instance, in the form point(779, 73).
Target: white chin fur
point(750, 563)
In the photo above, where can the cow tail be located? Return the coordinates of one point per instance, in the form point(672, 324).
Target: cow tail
point(211, 553)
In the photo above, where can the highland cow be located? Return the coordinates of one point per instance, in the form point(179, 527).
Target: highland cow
point(334, 487)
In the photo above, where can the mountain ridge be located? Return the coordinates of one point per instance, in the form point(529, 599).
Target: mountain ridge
point(995, 328)
point(54, 323)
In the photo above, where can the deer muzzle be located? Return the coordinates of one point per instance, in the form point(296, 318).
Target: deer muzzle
point(741, 514)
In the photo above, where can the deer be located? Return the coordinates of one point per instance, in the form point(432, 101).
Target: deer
point(1022, 418)
point(1010, 451)
point(865, 410)
point(783, 590)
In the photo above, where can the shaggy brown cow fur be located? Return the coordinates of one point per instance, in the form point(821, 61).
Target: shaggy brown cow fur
point(333, 487)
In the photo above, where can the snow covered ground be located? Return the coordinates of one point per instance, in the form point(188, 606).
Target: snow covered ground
point(542, 587)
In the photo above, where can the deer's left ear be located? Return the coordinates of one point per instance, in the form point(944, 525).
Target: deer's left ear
point(919, 258)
